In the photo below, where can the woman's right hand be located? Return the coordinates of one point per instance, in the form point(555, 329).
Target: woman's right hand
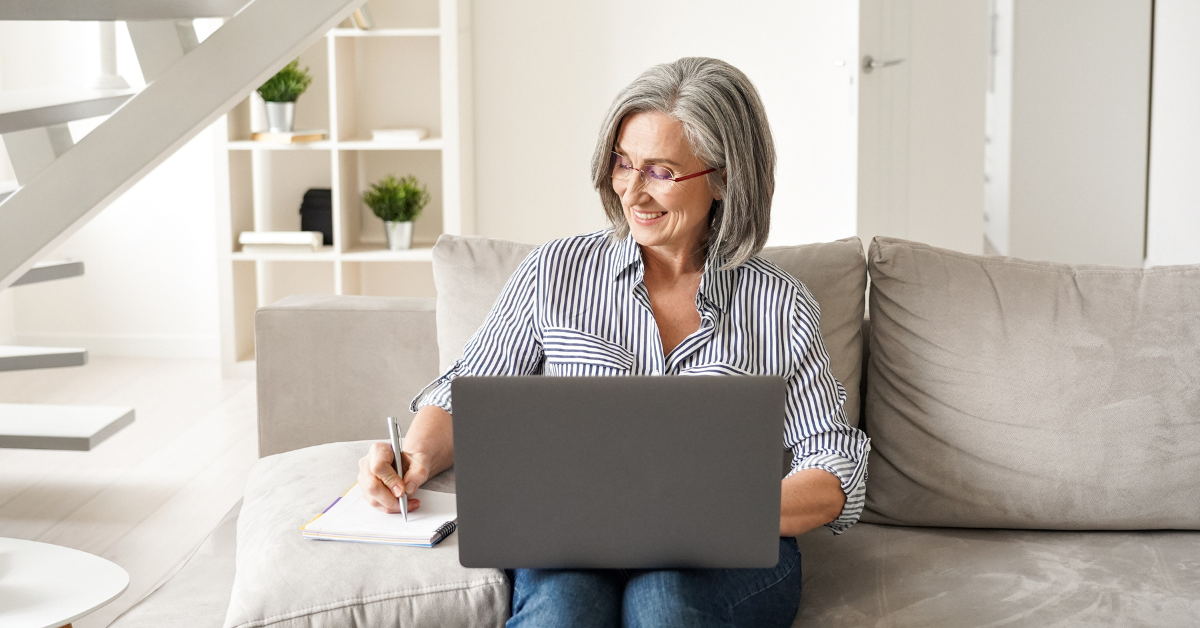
point(382, 487)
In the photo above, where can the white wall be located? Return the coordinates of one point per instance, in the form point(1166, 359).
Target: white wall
point(150, 281)
point(1174, 198)
point(545, 73)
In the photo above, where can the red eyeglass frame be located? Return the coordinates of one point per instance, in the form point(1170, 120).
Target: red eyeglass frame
point(685, 177)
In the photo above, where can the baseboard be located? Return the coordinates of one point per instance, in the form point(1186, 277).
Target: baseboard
point(134, 345)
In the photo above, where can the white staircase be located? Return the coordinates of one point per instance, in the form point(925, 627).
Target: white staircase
point(184, 98)
point(115, 10)
point(61, 185)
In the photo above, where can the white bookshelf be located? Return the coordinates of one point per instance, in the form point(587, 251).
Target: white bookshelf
point(411, 69)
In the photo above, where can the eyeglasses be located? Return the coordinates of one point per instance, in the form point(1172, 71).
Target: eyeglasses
point(656, 179)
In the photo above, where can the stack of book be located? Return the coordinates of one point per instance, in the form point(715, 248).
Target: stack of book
point(288, 137)
point(399, 136)
point(280, 241)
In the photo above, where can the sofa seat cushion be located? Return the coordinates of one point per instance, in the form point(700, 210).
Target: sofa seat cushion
point(899, 577)
point(197, 594)
point(471, 271)
point(284, 580)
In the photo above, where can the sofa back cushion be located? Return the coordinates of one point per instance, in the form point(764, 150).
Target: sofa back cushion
point(1011, 394)
point(469, 273)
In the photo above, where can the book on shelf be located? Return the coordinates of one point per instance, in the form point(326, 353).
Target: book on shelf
point(288, 137)
point(400, 136)
point(280, 241)
point(362, 18)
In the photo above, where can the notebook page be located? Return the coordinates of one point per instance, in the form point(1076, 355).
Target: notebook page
point(351, 515)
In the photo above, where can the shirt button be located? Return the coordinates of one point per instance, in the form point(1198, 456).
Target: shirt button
point(655, 372)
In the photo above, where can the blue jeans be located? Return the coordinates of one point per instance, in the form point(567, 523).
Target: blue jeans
point(583, 598)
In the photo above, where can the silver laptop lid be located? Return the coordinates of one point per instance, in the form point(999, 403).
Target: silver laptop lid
point(618, 472)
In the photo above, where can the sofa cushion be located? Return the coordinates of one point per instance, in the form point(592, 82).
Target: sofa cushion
point(374, 352)
point(469, 273)
point(1014, 394)
point(836, 275)
point(904, 577)
point(285, 580)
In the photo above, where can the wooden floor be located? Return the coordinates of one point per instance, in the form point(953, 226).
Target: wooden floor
point(147, 496)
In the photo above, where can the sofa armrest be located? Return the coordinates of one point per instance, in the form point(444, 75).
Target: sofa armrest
point(331, 368)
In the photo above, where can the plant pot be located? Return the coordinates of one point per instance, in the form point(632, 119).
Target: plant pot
point(280, 116)
point(399, 235)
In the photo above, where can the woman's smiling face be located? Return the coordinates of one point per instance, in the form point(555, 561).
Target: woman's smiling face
point(673, 216)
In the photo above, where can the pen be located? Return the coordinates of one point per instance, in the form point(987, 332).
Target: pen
point(394, 433)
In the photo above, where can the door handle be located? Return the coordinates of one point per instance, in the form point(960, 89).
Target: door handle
point(870, 63)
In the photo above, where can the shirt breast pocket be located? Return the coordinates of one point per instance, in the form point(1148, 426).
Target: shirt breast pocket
point(574, 353)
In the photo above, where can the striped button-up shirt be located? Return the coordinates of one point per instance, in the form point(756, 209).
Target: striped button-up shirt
point(578, 306)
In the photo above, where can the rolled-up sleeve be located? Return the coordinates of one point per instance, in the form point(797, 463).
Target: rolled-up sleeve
point(816, 429)
point(507, 343)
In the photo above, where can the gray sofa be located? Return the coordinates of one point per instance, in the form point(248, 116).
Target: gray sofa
point(1035, 431)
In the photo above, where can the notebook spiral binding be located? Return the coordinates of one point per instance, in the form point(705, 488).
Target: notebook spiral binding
point(446, 530)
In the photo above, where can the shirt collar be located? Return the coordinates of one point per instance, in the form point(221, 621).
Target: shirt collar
point(716, 285)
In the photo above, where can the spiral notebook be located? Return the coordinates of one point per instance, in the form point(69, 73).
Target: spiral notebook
point(351, 518)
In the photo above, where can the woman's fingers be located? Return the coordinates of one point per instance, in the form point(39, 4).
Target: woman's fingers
point(381, 486)
point(381, 467)
point(416, 471)
point(377, 480)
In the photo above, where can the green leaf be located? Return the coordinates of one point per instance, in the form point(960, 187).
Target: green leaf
point(287, 84)
point(397, 200)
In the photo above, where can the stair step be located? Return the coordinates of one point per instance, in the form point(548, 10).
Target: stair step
point(50, 271)
point(113, 10)
point(18, 358)
point(75, 428)
point(22, 109)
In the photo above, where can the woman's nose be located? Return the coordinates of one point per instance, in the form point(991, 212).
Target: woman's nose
point(635, 189)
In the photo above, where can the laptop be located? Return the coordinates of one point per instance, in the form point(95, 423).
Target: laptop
point(618, 472)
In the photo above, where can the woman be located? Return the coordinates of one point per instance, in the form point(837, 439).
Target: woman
point(685, 169)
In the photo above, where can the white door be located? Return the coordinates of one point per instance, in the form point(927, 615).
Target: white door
point(921, 121)
point(1173, 215)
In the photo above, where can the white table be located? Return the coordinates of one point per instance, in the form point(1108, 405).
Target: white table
point(47, 586)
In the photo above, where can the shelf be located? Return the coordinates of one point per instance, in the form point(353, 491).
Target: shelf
point(326, 254)
point(386, 32)
point(253, 145)
point(364, 254)
point(411, 71)
point(433, 143)
point(423, 252)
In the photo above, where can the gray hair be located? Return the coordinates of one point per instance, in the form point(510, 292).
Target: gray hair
point(725, 125)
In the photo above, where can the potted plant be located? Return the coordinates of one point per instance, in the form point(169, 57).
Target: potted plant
point(280, 92)
point(397, 203)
